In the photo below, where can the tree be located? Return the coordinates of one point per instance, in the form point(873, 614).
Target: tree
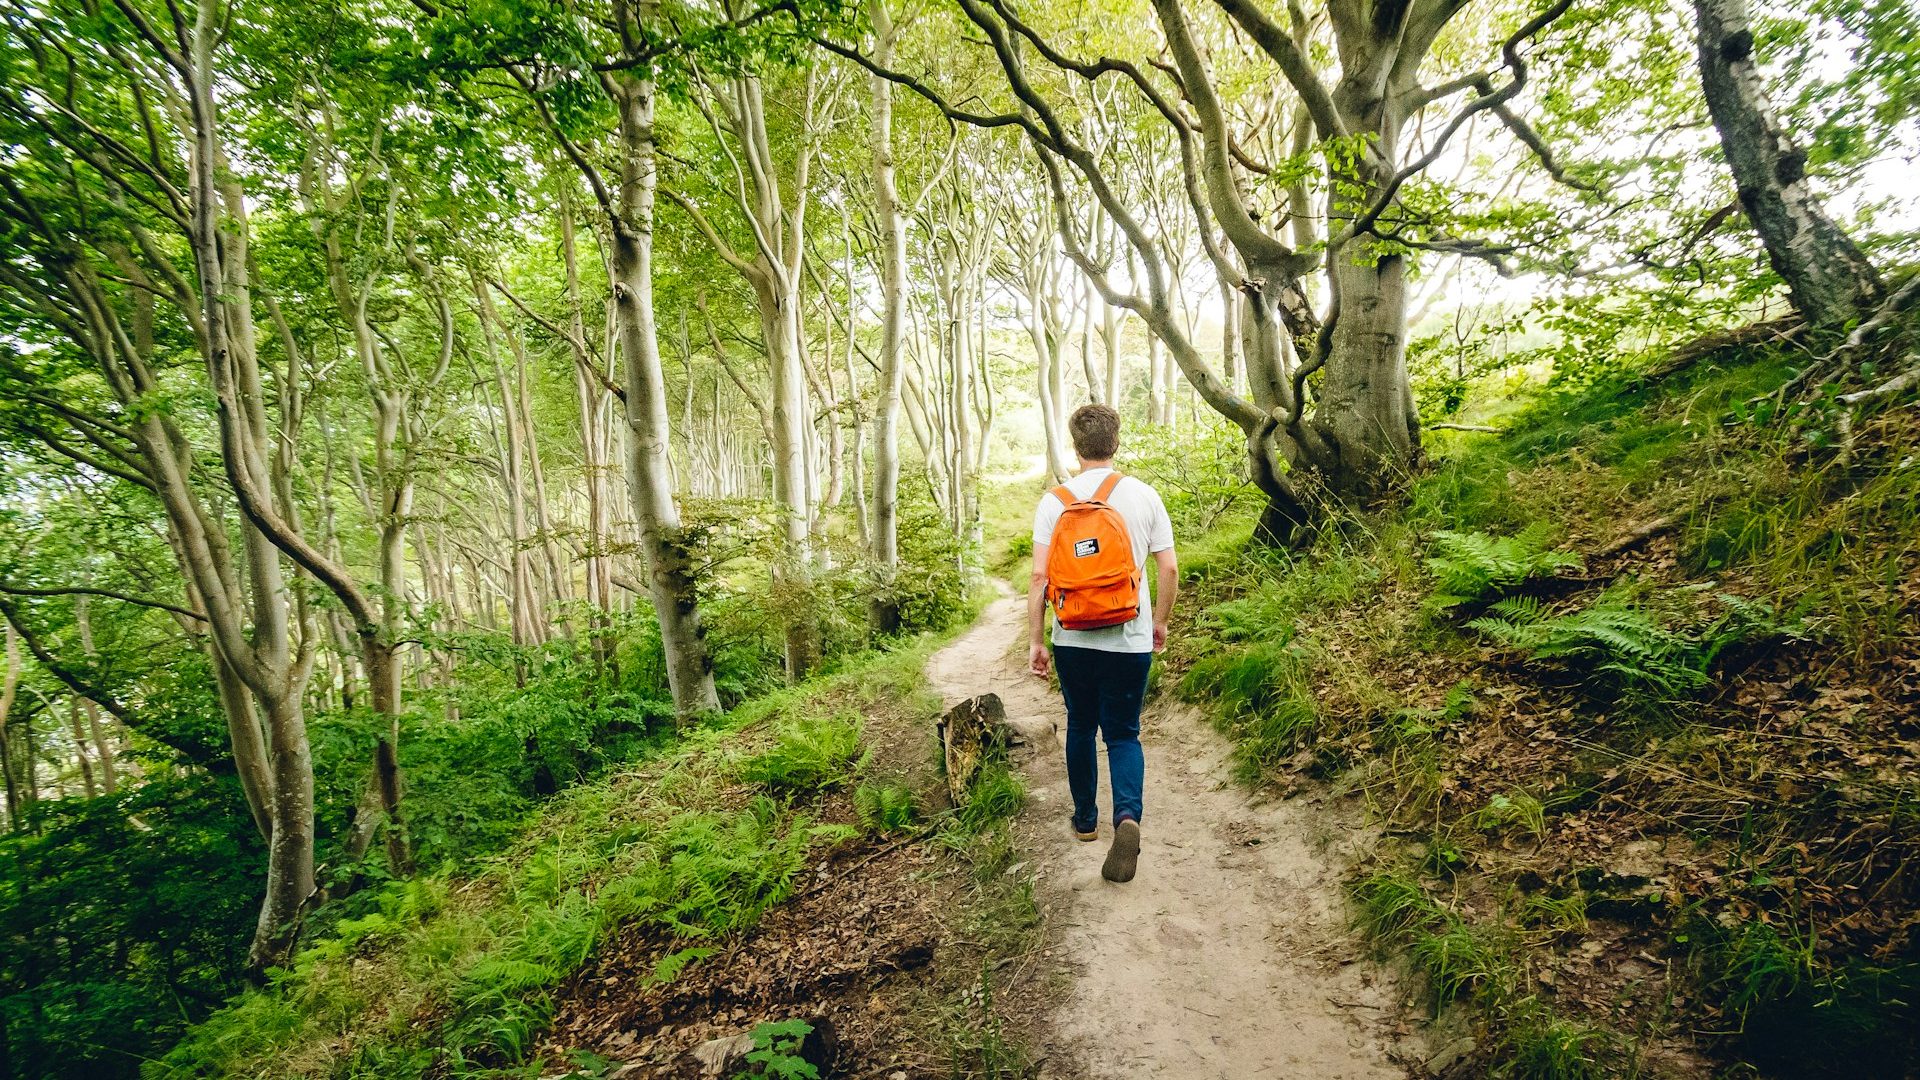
point(1830, 280)
point(1362, 433)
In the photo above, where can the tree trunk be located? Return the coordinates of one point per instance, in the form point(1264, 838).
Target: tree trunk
point(883, 613)
point(1364, 405)
point(1829, 279)
point(80, 748)
point(669, 569)
point(96, 725)
point(9, 684)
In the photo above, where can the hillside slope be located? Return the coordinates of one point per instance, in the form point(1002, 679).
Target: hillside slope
point(1634, 686)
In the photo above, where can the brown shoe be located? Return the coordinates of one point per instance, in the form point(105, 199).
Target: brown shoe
point(1087, 837)
point(1124, 856)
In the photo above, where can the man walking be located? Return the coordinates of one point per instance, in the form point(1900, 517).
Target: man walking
point(1091, 539)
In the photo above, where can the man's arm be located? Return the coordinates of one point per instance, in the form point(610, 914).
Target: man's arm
point(1166, 587)
point(1037, 658)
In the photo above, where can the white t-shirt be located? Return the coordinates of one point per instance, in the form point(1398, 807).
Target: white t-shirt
point(1147, 527)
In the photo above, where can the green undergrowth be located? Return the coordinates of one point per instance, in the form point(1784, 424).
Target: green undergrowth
point(1550, 639)
point(1483, 964)
point(453, 974)
point(974, 1017)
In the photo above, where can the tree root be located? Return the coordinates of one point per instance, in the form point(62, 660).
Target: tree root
point(1898, 384)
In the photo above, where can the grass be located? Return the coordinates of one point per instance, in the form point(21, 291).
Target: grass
point(453, 976)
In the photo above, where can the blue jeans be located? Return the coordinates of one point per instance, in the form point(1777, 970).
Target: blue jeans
point(1103, 692)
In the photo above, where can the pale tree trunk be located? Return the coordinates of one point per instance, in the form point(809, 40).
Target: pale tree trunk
point(588, 391)
point(884, 612)
point(669, 564)
point(1085, 316)
point(512, 456)
point(96, 724)
point(219, 236)
point(80, 747)
point(983, 399)
point(1043, 329)
point(862, 510)
point(9, 686)
point(778, 224)
point(1110, 342)
point(1156, 382)
point(557, 592)
point(1829, 279)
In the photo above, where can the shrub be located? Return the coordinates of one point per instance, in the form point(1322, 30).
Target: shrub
point(776, 1052)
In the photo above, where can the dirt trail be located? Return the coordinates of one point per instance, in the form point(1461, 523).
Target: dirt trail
point(1228, 956)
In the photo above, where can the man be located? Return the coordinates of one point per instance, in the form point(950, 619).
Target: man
point(1103, 671)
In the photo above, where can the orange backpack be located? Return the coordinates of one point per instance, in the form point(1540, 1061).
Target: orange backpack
point(1092, 577)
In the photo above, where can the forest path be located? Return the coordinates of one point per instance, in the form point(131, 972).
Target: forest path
point(1229, 955)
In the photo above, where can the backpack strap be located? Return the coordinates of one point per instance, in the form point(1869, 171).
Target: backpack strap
point(1106, 487)
point(1066, 497)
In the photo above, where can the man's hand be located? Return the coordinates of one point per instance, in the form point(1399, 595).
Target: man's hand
point(1159, 635)
point(1037, 659)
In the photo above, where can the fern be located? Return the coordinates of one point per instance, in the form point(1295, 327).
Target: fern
point(811, 753)
point(1620, 647)
point(884, 809)
point(1627, 649)
point(1473, 566)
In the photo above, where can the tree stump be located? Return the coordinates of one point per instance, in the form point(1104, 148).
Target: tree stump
point(972, 733)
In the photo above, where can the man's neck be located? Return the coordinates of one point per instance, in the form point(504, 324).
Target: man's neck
point(1089, 466)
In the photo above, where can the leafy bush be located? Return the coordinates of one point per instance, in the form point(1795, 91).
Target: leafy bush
point(1201, 475)
point(1472, 566)
point(125, 917)
point(810, 753)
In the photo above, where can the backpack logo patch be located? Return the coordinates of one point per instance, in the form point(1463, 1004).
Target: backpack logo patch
point(1084, 548)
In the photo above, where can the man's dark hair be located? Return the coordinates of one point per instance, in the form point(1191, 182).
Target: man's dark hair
point(1096, 432)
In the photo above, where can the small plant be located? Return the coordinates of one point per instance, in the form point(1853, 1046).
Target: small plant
point(996, 794)
point(810, 753)
point(776, 1052)
point(1392, 906)
point(1512, 809)
point(1541, 1046)
point(1759, 966)
point(1456, 959)
point(885, 809)
point(1622, 646)
point(1467, 567)
point(715, 874)
point(1559, 914)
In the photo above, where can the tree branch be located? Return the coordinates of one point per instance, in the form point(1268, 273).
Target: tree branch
point(76, 590)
